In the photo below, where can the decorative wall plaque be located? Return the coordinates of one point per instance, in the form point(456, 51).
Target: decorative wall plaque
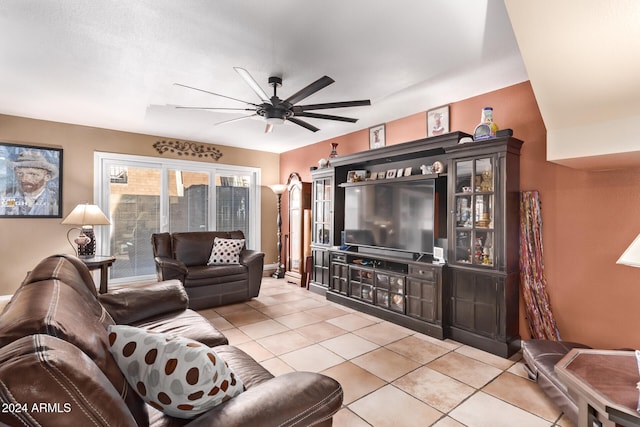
point(188, 149)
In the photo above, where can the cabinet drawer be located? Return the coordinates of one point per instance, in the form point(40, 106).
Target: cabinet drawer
point(339, 258)
point(423, 272)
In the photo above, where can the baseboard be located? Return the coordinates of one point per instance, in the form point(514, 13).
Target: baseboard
point(269, 269)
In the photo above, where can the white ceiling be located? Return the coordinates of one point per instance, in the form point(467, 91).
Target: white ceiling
point(583, 60)
point(112, 64)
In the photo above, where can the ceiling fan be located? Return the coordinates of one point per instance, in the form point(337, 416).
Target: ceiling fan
point(275, 110)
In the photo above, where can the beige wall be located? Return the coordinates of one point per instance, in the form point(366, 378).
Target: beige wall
point(26, 241)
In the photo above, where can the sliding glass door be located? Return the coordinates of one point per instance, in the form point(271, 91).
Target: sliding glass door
point(148, 195)
point(188, 200)
point(233, 193)
point(134, 210)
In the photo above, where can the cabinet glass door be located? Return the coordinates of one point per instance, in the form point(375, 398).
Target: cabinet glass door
point(322, 211)
point(474, 211)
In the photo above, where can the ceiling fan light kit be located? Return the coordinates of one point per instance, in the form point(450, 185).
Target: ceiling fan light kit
point(276, 111)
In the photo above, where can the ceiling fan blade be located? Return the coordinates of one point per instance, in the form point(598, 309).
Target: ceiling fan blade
point(213, 93)
point(252, 84)
point(237, 119)
point(364, 102)
point(211, 108)
point(303, 124)
point(326, 117)
point(321, 83)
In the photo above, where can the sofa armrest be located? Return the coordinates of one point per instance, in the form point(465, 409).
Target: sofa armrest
point(254, 261)
point(293, 399)
point(169, 269)
point(132, 303)
point(249, 257)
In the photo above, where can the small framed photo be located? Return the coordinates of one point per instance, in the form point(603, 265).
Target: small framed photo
point(382, 174)
point(407, 171)
point(438, 121)
point(377, 136)
point(356, 175)
point(30, 181)
point(391, 173)
point(399, 173)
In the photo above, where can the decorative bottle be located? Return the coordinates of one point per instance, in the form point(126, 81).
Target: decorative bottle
point(487, 117)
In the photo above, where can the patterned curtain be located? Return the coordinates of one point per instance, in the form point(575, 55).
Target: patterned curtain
point(542, 324)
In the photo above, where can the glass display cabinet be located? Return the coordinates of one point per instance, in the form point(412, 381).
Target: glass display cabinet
point(482, 295)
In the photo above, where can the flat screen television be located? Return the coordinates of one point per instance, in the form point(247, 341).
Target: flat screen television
point(397, 215)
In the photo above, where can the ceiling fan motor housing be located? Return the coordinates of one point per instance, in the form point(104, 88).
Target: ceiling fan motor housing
point(276, 113)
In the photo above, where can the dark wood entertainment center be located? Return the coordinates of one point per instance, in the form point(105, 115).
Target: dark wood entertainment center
point(473, 297)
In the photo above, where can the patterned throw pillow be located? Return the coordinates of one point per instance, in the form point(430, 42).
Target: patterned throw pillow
point(178, 376)
point(226, 251)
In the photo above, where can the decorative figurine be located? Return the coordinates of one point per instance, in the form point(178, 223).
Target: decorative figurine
point(438, 167)
point(487, 180)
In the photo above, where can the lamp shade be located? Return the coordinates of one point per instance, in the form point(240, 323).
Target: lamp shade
point(278, 188)
point(86, 214)
point(631, 256)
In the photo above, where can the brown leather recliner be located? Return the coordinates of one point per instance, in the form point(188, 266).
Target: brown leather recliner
point(184, 256)
point(540, 358)
point(56, 369)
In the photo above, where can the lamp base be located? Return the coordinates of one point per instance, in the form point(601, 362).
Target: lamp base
point(88, 250)
point(279, 273)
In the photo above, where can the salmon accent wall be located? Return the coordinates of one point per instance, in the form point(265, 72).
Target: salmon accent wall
point(589, 218)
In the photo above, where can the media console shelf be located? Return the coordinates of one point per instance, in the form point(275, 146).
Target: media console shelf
point(408, 293)
point(400, 179)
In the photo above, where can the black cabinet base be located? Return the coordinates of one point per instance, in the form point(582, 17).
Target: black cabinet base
point(499, 348)
point(417, 325)
point(317, 288)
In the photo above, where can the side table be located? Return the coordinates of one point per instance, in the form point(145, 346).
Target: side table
point(103, 263)
point(603, 382)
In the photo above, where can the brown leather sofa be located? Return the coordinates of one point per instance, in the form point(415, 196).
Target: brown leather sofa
point(540, 357)
point(184, 256)
point(56, 369)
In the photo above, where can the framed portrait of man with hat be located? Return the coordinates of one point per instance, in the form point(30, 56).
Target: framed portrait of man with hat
point(30, 181)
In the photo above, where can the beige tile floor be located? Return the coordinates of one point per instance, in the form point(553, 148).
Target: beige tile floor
point(391, 376)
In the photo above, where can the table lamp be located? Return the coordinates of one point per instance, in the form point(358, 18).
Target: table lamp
point(86, 216)
point(279, 189)
point(631, 256)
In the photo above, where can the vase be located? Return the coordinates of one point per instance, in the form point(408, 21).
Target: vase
point(334, 150)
